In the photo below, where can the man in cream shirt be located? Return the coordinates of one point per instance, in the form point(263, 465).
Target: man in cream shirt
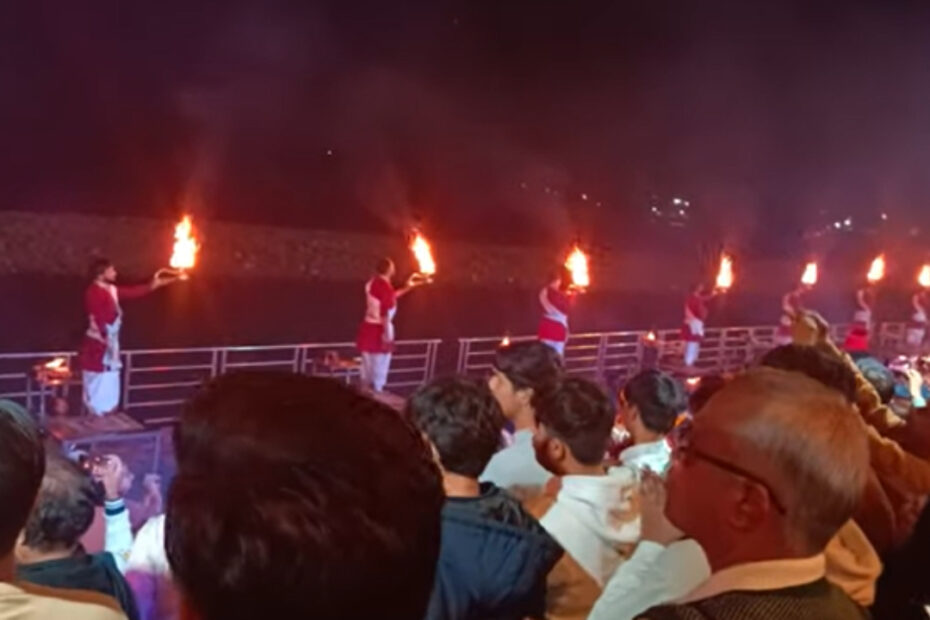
point(22, 466)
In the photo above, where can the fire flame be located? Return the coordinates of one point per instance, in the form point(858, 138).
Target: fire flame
point(809, 277)
point(56, 364)
point(693, 382)
point(924, 278)
point(725, 275)
point(185, 250)
point(505, 341)
point(577, 264)
point(424, 255)
point(651, 336)
point(876, 269)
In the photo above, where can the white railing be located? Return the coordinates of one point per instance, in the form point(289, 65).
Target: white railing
point(157, 381)
point(614, 356)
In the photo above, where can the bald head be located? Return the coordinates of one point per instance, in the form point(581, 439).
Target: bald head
point(800, 441)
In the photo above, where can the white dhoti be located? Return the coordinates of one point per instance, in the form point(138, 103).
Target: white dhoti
point(692, 351)
point(914, 336)
point(101, 391)
point(374, 370)
point(695, 335)
point(556, 345)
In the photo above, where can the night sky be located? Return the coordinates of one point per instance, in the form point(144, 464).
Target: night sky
point(491, 120)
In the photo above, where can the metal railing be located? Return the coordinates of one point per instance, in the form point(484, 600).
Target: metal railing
point(615, 356)
point(156, 381)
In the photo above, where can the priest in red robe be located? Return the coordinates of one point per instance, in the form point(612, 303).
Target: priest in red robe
point(99, 357)
point(692, 329)
point(555, 300)
point(376, 333)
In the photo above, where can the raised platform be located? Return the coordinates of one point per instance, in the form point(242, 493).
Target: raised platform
point(76, 428)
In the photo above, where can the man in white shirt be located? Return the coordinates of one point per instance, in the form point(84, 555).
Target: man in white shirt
point(593, 515)
point(22, 466)
point(664, 566)
point(650, 402)
point(523, 372)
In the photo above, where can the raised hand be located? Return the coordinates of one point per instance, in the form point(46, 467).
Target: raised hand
point(655, 525)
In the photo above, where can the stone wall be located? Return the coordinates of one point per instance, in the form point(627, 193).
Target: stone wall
point(61, 244)
point(263, 284)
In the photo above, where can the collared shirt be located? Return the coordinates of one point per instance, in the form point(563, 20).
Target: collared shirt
point(760, 577)
point(516, 469)
point(655, 455)
point(596, 520)
point(653, 575)
point(32, 602)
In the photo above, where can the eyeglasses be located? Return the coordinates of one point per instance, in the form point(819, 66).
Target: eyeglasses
point(685, 451)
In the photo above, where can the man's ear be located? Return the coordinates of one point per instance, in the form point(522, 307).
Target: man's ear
point(632, 413)
point(556, 450)
point(525, 396)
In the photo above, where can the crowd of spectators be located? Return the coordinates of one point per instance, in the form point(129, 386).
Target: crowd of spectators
point(796, 488)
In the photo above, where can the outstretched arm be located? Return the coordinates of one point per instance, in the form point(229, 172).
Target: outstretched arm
point(862, 298)
point(413, 282)
point(889, 460)
point(918, 302)
point(160, 279)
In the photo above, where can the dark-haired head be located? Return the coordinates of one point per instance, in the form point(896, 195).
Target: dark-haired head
point(650, 403)
point(822, 366)
point(523, 372)
point(64, 508)
point(462, 421)
point(575, 422)
point(101, 268)
point(385, 267)
point(295, 494)
point(22, 465)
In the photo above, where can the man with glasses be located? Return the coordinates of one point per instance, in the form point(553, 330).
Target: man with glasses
point(771, 470)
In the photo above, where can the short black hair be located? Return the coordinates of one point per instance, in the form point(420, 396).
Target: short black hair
point(64, 508)
point(463, 421)
point(22, 465)
point(580, 414)
point(97, 267)
point(383, 266)
point(530, 365)
point(880, 376)
point(817, 364)
point(706, 388)
point(299, 497)
point(659, 397)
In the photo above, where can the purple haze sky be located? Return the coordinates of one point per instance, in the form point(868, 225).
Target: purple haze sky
point(769, 116)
